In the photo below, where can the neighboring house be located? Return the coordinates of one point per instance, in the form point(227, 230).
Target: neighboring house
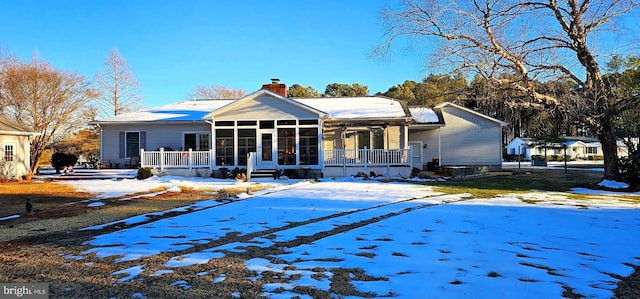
point(452, 135)
point(14, 149)
point(577, 148)
point(267, 130)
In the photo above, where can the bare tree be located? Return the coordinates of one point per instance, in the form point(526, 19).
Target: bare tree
point(528, 40)
point(43, 98)
point(120, 90)
point(216, 92)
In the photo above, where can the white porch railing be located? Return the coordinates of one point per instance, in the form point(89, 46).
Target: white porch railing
point(175, 159)
point(338, 157)
point(366, 157)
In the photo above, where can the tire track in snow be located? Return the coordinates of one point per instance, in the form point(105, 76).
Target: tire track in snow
point(251, 250)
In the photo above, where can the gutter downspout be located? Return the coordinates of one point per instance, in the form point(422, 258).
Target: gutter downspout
point(439, 148)
point(101, 140)
point(211, 144)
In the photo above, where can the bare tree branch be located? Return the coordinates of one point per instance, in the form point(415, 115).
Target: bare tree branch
point(45, 99)
point(529, 40)
point(120, 90)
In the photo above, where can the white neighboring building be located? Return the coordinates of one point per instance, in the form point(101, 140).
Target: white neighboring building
point(15, 151)
point(452, 135)
point(578, 148)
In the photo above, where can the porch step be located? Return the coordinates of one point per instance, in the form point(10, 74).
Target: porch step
point(263, 173)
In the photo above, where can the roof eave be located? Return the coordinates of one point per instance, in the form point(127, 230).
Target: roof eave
point(426, 126)
point(146, 122)
point(18, 133)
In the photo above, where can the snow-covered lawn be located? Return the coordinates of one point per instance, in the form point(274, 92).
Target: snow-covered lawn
point(394, 239)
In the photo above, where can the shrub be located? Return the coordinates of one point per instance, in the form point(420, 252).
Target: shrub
point(60, 160)
point(630, 170)
point(7, 171)
point(292, 173)
point(144, 173)
point(237, 172)
point(93, 160)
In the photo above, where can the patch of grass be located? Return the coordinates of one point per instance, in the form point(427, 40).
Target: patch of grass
point(530, 201)
point(528, 280)
point(366, 254)
point(538, 179)
point(61, 211)
point(44, 195)
point(385, 239)
point(368, 247)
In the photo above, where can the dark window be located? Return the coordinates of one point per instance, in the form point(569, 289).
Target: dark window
point(266, 124)
point(224, 147)
point(286, 146)
point(190, 141)
point(246, 144)
point(309, 146)
point(224, 124)
point(287, 122)
point(133, 144)
point(203, 141)
point(308, 122)
point(364, 139)
point(196, 141)
point(378, 140)
point(245, 123)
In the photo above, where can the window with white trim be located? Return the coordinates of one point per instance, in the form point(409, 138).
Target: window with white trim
point(198, 141)
point(224, 147)
point(9, 152)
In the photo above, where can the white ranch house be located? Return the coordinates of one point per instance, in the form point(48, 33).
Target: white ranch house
point(578, 148)
point(15, 142)
point(329, 137)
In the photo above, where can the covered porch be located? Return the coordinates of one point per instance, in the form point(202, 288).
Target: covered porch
point(333, 162)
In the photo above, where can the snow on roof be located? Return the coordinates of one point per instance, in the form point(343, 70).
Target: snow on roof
point(424, 115)
point(356, 107)
point(191, 110)
point(336, 108)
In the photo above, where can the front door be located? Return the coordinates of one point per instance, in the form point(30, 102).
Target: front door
point(266, 156)
point(416, 154)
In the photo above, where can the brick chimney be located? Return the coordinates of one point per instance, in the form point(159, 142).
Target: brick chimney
point(276, 86)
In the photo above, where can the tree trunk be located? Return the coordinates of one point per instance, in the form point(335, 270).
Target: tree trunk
point(609, 149)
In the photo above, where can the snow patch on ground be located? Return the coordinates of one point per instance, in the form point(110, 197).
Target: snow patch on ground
point(515, 245)
point(613, 184)
point(9, 217)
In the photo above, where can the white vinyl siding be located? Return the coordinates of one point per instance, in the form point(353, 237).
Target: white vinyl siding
point(156, 136)
point(266, 107)
point(9, 153)
point(468, 139)
point(16, 149)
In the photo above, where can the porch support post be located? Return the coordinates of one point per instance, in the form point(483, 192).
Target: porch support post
point(364, 155)
point(190, 159)
point(162, 159)
point(211, 159)
point(141, 157)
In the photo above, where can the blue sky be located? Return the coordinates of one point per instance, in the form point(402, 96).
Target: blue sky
point(174, 46)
